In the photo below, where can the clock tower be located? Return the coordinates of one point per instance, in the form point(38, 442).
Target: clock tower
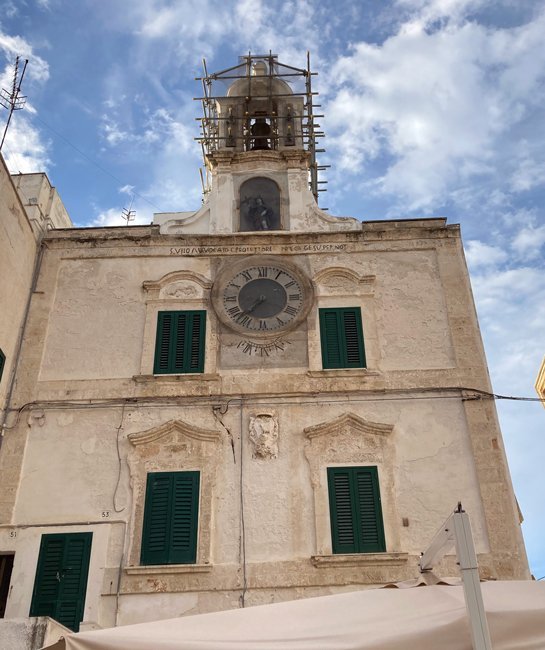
point(261, 178)
point(259, 138)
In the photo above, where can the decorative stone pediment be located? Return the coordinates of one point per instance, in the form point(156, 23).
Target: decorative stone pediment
point(175, 446)
point(349, 440)
point(335, 279)
point(173, 428)
point(178, 284)
point(348, 423)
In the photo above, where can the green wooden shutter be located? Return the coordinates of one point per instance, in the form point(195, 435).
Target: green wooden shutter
point(61, 578)
point(180, 342)
point(341, 336)
point(330, 336)
point(355, 510)
point(342, 509)
point(171, 518)
point(371, 527)
point(2, 363)
point(162, 348)
point(353, 338)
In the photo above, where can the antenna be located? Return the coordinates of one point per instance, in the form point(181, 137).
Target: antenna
point(127, 214)
point(10, 99)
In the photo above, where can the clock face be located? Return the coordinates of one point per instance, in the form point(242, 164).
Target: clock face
point(262, 298)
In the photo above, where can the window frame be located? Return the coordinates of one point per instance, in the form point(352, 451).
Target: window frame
point(171, 555)
point(343, 352)
point(360, 544)
point(173, 350)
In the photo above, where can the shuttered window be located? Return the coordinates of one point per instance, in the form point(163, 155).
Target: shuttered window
point(341, 336)
point(171, 518)
point(2, 362)
point(61, 578)
point(355, 510)
point(180, 342)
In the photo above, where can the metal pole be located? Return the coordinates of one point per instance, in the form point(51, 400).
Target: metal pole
point(457, 530)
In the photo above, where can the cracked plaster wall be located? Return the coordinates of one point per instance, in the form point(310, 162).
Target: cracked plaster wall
point(91, 335)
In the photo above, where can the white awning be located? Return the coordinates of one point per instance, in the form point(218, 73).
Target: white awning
point(418, 618)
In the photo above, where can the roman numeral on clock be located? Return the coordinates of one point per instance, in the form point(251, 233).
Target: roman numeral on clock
point(294, 296)
point(262, 271)
point(290, 310)
point(230, 298)
point(247, 275)
point(242, 319)
point(289, 284)
point(262, 324)
point(234, 311)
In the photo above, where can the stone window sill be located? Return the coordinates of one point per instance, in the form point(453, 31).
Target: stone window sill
point(166, 569)
point(344, 372)
point(359, 559)
point(198, 376)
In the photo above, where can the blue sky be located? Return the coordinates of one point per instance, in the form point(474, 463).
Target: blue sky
point(433, 108)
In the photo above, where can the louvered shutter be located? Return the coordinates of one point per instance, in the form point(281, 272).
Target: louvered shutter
point(343, 516)
point(341, 336)
point(162, 348)
point(371, 530)
point(155, 540)
point(330, 336)
point(355, 510)
point(47, 583)
point(184, 517)
point(180, 342)
point(196, 342)
point(171, 518)
point(353, 338)
point(61, 578)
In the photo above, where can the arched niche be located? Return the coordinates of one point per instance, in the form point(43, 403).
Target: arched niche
point(259, 205)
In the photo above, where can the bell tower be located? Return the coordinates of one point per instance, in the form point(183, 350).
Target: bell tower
point(259, 141)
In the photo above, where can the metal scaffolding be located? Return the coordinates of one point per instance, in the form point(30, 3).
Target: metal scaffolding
point(267, 128)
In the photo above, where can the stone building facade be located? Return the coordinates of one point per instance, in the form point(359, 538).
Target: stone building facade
point(207, 415)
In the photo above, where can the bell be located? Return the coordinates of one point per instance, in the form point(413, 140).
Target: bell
point(261, 133)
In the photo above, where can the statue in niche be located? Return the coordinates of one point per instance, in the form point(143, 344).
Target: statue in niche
point(259, 205)
point(258, 213)
point(264, 435)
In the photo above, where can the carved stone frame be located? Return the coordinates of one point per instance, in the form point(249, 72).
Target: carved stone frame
point(174, 446)
point(341, 287)
point(178, 291)
point(346, 441)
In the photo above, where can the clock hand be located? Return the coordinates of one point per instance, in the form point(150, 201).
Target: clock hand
point(256, 304)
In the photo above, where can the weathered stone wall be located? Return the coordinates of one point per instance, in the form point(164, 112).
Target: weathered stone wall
point(17, 255)
point(90, 404)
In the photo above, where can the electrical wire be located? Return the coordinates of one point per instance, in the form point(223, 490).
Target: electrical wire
point(242, 520)
point(93, 162)
point(119, 461)
point(402, 395)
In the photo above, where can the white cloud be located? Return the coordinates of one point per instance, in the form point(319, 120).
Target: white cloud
point(24, 149)
point(529, 241)
point(37, 69)
point(479, 254)
point(435, 108)
point(529, 173)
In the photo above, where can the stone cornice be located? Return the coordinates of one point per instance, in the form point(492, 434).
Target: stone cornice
point(342, 272)
point(178, 426)
point(154, 286)
point(348, 421)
